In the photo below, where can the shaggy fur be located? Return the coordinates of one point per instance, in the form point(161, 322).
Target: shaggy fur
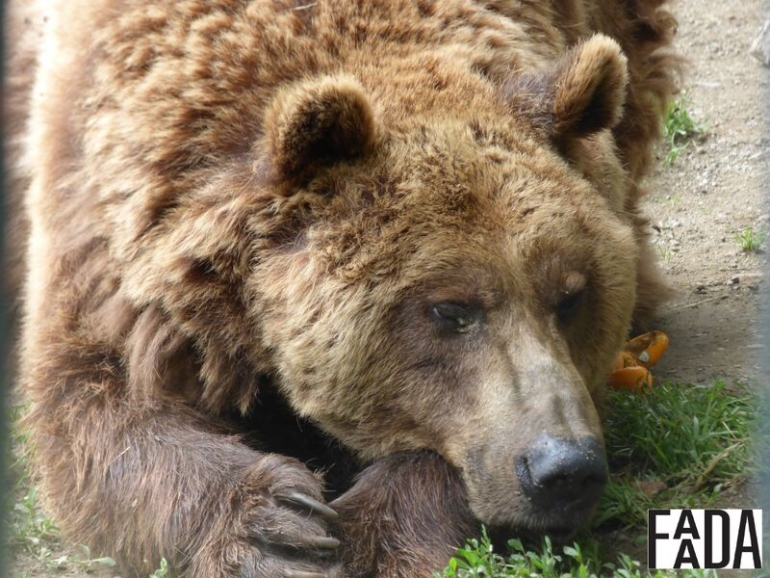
point(275, 242)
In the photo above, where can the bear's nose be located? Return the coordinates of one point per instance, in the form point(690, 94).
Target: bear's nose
point(563, 473)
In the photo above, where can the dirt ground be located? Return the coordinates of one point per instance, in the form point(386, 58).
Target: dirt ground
point(697, 206)
point(713, 192)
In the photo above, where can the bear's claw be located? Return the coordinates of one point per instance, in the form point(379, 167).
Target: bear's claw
point(323, 542)
point(301, 574)
point(312, 504)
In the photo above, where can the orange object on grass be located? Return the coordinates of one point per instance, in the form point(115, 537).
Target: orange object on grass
point(636, 379)
point(648, 348)
point(631, 369)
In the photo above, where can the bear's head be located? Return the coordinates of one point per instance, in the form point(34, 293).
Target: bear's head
point(454, 281)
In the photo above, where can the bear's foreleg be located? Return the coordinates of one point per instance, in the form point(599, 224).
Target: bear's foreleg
point(162, 483)
point(404, 517)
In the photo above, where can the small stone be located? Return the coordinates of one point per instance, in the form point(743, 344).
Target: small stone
point(760, 49)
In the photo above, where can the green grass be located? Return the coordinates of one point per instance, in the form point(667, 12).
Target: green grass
point(478, 559)
point(679, 129)
point(664, 252)
point(162, 571)
point(750, 240)
point(31, 530)
point(686, 443)
point(689, 442)
point(683, 434)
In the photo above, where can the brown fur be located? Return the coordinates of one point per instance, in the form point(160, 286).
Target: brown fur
point(405, 516)
point(242, 217)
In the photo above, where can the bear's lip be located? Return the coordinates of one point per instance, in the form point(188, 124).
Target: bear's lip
point(558, 528)
point(561, 525)
point(559, 535)
point(563, 521)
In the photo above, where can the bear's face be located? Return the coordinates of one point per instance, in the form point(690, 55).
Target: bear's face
point(456, 285)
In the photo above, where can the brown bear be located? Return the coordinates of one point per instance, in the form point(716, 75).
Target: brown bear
point(315, 288)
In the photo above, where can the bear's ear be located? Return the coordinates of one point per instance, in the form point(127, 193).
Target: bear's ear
point(583, 94)
point(316, 123)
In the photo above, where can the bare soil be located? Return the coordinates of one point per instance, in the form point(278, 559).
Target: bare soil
point(712, 192)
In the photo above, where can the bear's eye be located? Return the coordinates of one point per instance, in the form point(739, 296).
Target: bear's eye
point(569, 305)
point(456, 317)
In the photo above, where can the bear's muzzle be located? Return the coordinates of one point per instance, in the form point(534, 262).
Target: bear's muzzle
point(563, 478)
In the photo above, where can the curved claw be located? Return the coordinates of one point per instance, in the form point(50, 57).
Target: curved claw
point(311, 504)
point(301, 574)
point(300, 543)
point(323, 542)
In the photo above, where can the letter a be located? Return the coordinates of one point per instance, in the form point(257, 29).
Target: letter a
point(747, 521)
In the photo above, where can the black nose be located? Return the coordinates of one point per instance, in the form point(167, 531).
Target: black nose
point(558, 472)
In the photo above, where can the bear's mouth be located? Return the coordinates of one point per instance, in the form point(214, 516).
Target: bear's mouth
point(561, 535)
point(560, 522)
point(532, 536)
point(558, 534)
